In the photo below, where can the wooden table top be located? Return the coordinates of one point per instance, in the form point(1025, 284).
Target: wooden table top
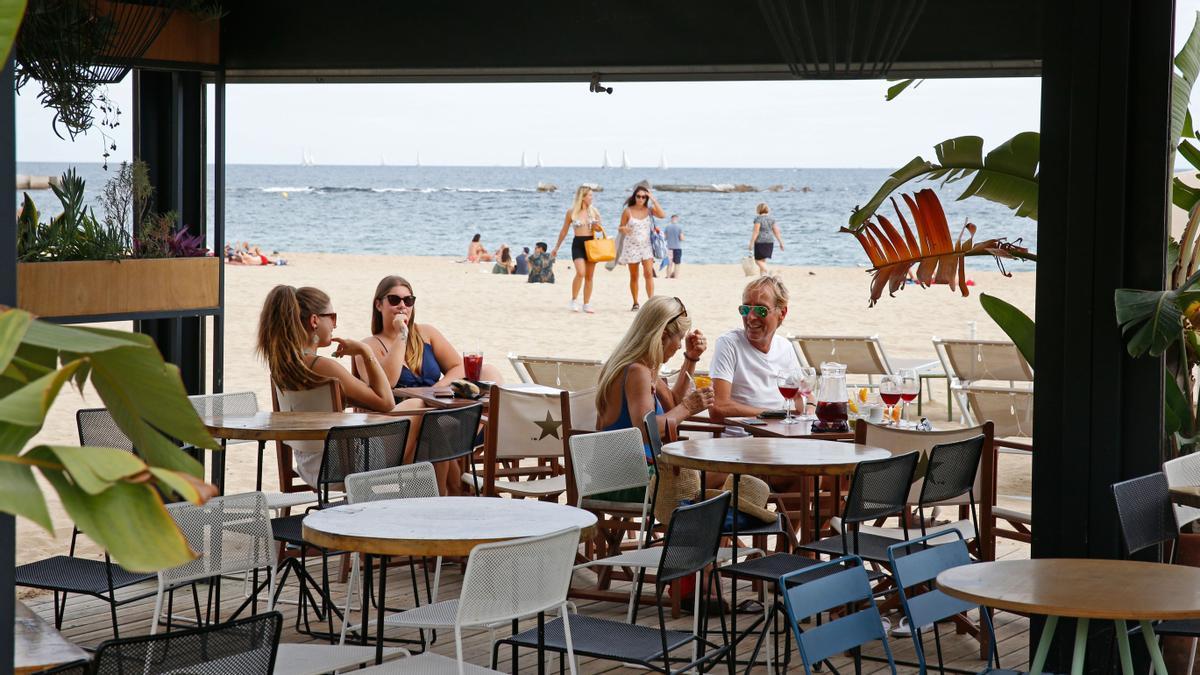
point(37, 646)
point(435, 397)
point(287, 426)
point(1187, 495)
point(431, 526)
point(775, 428)
point(770, 456)
point(1079, 588)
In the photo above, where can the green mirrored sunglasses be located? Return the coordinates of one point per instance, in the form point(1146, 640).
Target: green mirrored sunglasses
point(761, 311)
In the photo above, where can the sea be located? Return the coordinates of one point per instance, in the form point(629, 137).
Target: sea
point(435, 210)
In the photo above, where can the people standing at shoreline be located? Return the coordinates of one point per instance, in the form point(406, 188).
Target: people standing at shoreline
point(762, 240)
point(674, 234)
point(636, 251)
point(583, 220)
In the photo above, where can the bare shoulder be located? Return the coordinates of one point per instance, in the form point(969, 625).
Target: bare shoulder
point(429, 333)
point(329, 367)
point(639, 374)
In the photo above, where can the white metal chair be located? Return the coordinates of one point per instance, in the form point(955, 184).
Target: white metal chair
point(526, 423)
point(503, 581)
point(569, 374)
point(232, 535)
point(1184, 472)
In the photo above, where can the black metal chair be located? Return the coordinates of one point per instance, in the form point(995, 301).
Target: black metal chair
point(348, 450)
point(449, 434)
point(690, 547)
point(950, 474)
point(1147, 518)
point(67, 574)
point(246, 646)
point(878, 489)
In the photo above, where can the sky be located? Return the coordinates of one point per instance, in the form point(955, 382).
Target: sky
point(718, 124)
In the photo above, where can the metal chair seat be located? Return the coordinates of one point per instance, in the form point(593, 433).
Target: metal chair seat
point(604, 639)
point(425, 664)
point(76, 575)
point(289, 529)
point(770, 568)
point(871, 547)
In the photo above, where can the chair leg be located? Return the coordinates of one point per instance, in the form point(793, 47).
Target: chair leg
point(1192, 656)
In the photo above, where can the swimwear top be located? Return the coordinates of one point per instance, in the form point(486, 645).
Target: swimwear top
point(431, 371)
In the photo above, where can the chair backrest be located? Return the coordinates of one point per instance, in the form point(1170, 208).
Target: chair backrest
point(693, 537)
point(1144, 512)
point(230, 534)
point(362, 448)
point(909, 440)
point(915, 563)
point(1184, 472)
point(322, 398)
point(98, 428)
point(579, 412)
point(517, 578)
point(230, 404)
point(952, 470)
point(569, 374)
point(1009, 410)
point(650, 424)
point(879, 488)
point(245, 646)
point(524, 422)
point(447, 434)
point(862, 355)
point(396, 482)
point(982, 360)
point(608, 460)
point(820, 590)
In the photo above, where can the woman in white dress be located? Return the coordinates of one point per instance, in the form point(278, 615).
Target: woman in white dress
point(636, 250)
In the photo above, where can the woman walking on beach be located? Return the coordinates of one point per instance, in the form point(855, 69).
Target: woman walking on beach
point(414, 355)
point(761, 242)
point(584, 220)
point(294, 324)
point(636, 250)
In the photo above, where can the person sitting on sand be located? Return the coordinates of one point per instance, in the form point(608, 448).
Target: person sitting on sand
point(476, 251)
point(522, 267)
point(293, 325)
point(541, 265)
point(415, 355)
point(504, 261)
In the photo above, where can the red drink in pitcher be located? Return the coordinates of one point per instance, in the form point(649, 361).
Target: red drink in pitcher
point(832, 412)
point(472, 365)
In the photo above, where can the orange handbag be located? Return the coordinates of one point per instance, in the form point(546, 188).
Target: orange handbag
point(601, 248)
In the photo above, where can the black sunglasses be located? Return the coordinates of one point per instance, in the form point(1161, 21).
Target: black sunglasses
point(330, 315)
point(395, 300)
point(642, 196)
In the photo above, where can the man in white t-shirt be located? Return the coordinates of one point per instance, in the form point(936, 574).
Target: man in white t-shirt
point(746, 361)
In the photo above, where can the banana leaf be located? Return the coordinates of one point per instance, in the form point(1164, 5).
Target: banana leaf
point(927, 245)
point(1007, 175)
point(1153, 320)
point(11, 13)
point(1016, 324)
point(1187, 61)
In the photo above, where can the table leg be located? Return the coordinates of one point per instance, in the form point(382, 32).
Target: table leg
point(1043, 648)
point(218, 468)
point(1123, 647)
point(1152, 647)
point(816, 530)
point(737, 478)
point(383, 565)
point(262, 446)
point(1077, 657)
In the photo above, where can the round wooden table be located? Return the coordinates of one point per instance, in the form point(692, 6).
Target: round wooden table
point(1083, 589)
point(771, 456)
point(435, 526)
point(278, 426)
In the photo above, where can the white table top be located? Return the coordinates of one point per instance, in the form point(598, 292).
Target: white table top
point(449, 526)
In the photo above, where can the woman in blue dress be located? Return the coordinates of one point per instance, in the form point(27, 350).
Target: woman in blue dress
point(415, 355)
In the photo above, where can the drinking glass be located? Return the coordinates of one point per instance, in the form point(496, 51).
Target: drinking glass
point(789, 386)
point(910, 387)
point(889, 390)
point(472, 365)
point(807, 385)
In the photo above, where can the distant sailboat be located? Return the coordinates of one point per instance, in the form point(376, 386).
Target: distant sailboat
point(381, 161)
point(624, 160)
point(662, 161)
point(306, 158)
point(538, 163)
point(418, 158)
point(606, 164)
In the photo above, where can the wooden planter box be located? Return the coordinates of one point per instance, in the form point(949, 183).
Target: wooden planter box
point(105, 287)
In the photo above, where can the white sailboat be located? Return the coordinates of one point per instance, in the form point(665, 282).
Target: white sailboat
point(624, 160)
point(306, 158)
point(523, 164)
point(381, 161)
point(418, 158)
point(606, 164)
point(538, 163)
point(662, 161)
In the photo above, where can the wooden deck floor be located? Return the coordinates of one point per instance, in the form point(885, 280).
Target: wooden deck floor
point(87, 624)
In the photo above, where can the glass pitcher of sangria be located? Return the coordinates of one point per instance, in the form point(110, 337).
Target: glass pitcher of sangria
point(832, 398)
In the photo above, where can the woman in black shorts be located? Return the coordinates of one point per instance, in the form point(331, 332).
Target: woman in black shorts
point(762, 240)
point(584, 220)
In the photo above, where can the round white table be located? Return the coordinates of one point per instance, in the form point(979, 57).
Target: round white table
point(434, 526)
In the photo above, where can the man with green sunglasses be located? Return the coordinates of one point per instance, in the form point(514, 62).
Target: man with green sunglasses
point(747, 361)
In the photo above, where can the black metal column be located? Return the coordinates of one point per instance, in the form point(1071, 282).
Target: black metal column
point(1106, 85)
point(8, 296)
point(169, 135)
point(218, 374)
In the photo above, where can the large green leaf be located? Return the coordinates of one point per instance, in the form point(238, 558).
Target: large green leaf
point(13, 325)
point(95, 469)
point(21, 495)
point(23, 411)
point(899, 87)
point(1016, 324)
point(1188, 63)
point(11, 13)
point(1007, 175)
point(1177, 412)
point(1152, 320)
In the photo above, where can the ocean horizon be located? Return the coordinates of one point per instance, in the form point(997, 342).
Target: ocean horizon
point(435, 210)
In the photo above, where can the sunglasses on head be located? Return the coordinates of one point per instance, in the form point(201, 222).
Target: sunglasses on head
point(682, 310)
point(395, 300)
point(758, 310)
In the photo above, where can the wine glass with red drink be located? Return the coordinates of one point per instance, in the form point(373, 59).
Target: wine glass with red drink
point(789, 386)
point(890, 390)
point(910, 387)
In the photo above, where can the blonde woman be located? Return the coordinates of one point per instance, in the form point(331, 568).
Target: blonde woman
point(761, 242)
point(584, 220)
point(294, 324)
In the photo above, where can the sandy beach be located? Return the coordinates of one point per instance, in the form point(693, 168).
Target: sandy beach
point(500, 314)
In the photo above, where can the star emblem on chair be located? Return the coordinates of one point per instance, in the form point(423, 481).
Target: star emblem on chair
point(549, 427)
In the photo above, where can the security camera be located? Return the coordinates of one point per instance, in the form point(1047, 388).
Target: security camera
point(597, 87)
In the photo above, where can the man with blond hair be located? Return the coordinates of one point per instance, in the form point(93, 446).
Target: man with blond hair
point(747, 361)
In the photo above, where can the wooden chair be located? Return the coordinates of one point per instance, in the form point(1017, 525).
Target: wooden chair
point(527, 423)
point(322, 398)
point(569, 374)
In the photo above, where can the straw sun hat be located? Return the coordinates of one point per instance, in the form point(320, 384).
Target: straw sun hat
point(752, 497)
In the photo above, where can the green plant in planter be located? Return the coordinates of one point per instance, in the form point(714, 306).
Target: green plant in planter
point(75, 234)
point(112, 495)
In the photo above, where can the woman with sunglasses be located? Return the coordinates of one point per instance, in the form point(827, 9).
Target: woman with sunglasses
point(294, 324)
point(636, 250)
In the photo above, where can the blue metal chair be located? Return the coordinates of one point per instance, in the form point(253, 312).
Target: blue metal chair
point(915, 563)
point(813, 590)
